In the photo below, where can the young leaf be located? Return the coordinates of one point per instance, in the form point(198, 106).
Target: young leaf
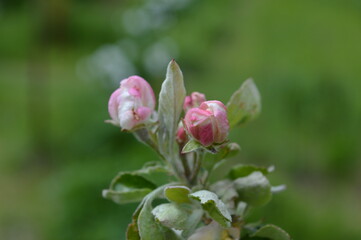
point(272, 232)
point(228, 151)
point(178, 194)
point(155, 173)
point(215, 207)
point(210, 232)
point(244, 105)
point(177, 216)
point(191, 146)
point(128, 187)
point(221, 169)
point(128, 180)
point(226, 192)
point(171, 215)
point(254, 189)
point(241, 209)
point(122, 197)
point(193, 221)
point(171, 99)
point(132, 230)
point(148, 228)
point(244, 170)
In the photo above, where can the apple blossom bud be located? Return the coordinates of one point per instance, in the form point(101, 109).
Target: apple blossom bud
point(208, 123)
point(194, 100)
point(132, 104)
point(181, 134)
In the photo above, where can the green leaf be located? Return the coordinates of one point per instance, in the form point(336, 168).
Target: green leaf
point(221, 187)
point(155, 173)
point(210, 232)
point(148, 228)
point(178, 194)
point(241, 209)
point(243, 170)
point(122, 197)
point(272, 232)
point(128, 180)
point(254, 189)
point(244, 105)
point(221, 169)
point(228, 151)
point(191, 146)
point(193, 221)
point(226, 192)
point(171, 99)
point(177, 216)
point(132, 230)
point(171, 215)
point(215, 207)
point(128, 187)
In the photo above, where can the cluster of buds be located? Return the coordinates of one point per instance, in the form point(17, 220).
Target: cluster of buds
point(208, 193)
point(132, 105)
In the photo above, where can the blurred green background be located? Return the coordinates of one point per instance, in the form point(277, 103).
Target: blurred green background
point(60, 61)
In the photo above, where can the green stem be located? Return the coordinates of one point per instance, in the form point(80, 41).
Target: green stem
point(187, 171)
point(197, 166)
point(144, 135)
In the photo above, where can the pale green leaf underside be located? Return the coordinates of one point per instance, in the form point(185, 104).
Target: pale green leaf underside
point(171, 99)
point(244, 105)
point(193, 222)
point(254, 189)
point(214, 206)
point(149, 229)
point(211, 231)
point(224, 190)
point(128, 187)
point(174, 215)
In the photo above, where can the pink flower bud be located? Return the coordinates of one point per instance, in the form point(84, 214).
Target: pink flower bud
point(181, 134)
point(132, 104)
point(208, 123)
point(194, 100)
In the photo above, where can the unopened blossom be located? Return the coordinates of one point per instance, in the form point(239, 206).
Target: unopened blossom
point(208, 123)
point(181, 134)
point(132, 104)
point(194, 100)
